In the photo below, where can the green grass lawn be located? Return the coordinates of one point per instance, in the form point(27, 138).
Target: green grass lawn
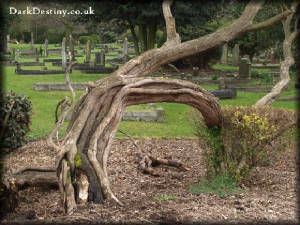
point(177, 123)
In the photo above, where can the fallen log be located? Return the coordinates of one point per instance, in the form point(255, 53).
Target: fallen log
point(26, 177)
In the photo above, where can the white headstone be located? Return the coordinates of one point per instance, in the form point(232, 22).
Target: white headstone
point(63, 54)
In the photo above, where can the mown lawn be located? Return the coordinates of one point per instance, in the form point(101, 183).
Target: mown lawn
point(177, 124)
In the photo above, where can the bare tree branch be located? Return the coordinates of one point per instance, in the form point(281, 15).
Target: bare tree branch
point(270, 21)
point(285, 65)
point(173, 37)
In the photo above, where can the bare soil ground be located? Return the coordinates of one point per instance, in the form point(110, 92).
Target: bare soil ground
point(270, 196)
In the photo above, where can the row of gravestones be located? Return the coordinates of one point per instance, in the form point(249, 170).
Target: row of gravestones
point(267, 56)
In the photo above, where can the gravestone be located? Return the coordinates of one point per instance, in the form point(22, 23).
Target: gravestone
point(88, 52)
point(8, 44)
point(235, 55)
point(13, 54)
point(245, 68)
point(46, 48)
point(17, 55)
point(97, 58)
point(106, 48)
point(224, 58)
point(37, 59)
point(63, 54)
point(222, 85)
point(125, 47)
point(102, 58)
point(32, 42)
point(195, 71)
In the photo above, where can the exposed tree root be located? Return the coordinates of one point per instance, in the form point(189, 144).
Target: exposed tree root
point(147, 162)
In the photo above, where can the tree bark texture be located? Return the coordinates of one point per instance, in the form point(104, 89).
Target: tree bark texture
point(98, 112)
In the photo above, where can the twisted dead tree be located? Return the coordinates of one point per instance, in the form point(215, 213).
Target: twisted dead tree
point(291, 31)
point(81, 164)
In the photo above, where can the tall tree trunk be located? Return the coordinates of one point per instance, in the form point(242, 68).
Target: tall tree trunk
point(98, 112)
point(151, 35)
point(134, 37)
point(142, 30)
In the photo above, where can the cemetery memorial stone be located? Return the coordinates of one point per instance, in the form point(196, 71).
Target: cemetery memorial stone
point(8, 44)
point(102, 58)
point(235, 55)
point(222, 85)
point(152, 114)
point(97, 58)
point(125, 47)
point(245, 68)
point(106, 48)
point(63, 54)
point(46, 48)
point(195, 71)
point(224, 58)
point(13, 54)
point(36, 72)
point(17, 55)
point(37, 59)
point(228, 93)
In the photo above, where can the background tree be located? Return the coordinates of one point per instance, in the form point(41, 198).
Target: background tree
point(260, 40)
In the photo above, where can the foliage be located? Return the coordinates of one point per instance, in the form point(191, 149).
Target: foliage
point(17, 109)
point(94, 38)
point(109, 37)
point(265, 77)
point(260, 40)
point(254, 74)
point(215, 77)
point(242, 142)
point(220, 185)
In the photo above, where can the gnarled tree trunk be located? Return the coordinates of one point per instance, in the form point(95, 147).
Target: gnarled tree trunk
point(96, 117)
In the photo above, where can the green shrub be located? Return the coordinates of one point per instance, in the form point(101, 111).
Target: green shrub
point(215, 78)
point(94, 39)
point(254, 74)
point(266, 78)
point(15, 114)
point(83, 39)
point(245, 140)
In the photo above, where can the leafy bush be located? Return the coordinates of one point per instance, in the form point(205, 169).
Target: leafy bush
point(15, 114)
point(83, 39)
point(109, 37)
point(94, 38)
point(255, 74)
point(214, 77)
point(243, 142)
point(266, 78)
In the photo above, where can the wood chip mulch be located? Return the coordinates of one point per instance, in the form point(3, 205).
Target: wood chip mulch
point(270, 196)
